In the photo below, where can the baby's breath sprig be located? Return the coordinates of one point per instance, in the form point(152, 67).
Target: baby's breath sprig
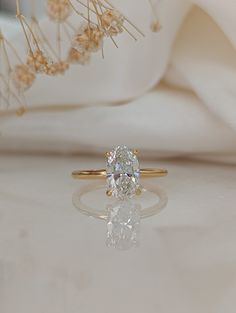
point(15, 77)
point(42, 56)
point(98, 21)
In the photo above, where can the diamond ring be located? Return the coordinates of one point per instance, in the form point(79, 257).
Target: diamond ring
point(122, 172)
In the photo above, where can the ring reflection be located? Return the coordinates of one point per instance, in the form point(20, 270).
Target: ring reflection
point(123, 217)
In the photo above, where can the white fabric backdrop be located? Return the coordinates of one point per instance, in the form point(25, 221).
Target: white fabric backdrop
point(194, 51)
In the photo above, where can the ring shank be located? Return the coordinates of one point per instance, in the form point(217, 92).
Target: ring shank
point(92, 174)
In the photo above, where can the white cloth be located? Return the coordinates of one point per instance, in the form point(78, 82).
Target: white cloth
point(195, 51)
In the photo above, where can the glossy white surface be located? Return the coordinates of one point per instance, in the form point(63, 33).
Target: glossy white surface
point(54, 259)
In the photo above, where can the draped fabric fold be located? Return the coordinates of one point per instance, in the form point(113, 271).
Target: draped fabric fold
point(192, 114)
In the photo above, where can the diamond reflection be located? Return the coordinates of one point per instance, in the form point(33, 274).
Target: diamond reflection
point(122, 216)
point(123, 225)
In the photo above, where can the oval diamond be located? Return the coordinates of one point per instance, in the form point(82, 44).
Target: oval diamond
point(122, 172)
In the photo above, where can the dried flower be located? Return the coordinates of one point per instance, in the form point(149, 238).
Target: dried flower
point(77, 57)
point(57, 68)
point(155, 26)
point(89, 38)
point(112, 22)
point(23, 77)
point(37, 61)
point(58, 10)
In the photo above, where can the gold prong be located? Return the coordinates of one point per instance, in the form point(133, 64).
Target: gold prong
point(138, 191)
point(109, 193)
point(107, 154)
point(135, 151)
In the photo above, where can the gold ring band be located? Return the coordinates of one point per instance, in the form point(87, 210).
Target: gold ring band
point(92, 174)
point(122, 173)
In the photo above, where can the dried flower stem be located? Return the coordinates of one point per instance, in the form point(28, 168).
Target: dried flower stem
point(30, 30)
point(100, 23)
point(19, 17)
point(77, 12)
point(8, 68)
point(44, 38)
point(6, 77)
point(153, 10)
point(95, 11)
point(6, 57)
point(101, 6)
point(6, 99)
point(7, 85)
point(128, 21)
point(155, 26)
point(88, 8)
point(8, 43)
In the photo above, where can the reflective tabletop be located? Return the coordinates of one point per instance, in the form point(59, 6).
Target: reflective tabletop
point(55, 259)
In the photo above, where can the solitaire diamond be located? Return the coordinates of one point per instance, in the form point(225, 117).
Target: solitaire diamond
point(122, 172)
